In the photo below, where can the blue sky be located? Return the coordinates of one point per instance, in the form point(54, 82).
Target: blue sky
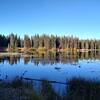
point(62, 17)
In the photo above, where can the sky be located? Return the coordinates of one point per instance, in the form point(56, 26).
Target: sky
point(79, 18)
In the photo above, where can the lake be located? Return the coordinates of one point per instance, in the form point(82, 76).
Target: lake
point(57, 68)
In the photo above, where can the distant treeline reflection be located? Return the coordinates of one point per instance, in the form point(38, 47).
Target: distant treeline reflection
point(51, 58)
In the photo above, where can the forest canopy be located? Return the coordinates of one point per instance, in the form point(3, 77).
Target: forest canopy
point(48, 42)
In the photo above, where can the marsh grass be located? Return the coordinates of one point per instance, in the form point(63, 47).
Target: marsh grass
point(17, 90)
point(81, 89)
point(18, 83)
point(76, 89)
point(48, 92)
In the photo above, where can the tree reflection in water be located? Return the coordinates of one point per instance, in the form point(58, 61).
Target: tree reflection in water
point(51, 58)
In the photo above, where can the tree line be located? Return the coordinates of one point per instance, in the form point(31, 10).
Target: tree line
point(48, 42)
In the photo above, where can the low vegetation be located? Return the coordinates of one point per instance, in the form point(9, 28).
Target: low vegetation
point(17, 90)
point(76, 89)
point(81, 89)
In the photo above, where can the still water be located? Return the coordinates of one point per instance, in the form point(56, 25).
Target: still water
point(57, 68)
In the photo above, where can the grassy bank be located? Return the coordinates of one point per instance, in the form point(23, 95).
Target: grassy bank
point(17, 90)
point(81, 89)
point(22, 90)
point(76, 89)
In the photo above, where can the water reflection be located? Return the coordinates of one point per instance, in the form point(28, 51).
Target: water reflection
point(51, 58)
point(58, 68)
